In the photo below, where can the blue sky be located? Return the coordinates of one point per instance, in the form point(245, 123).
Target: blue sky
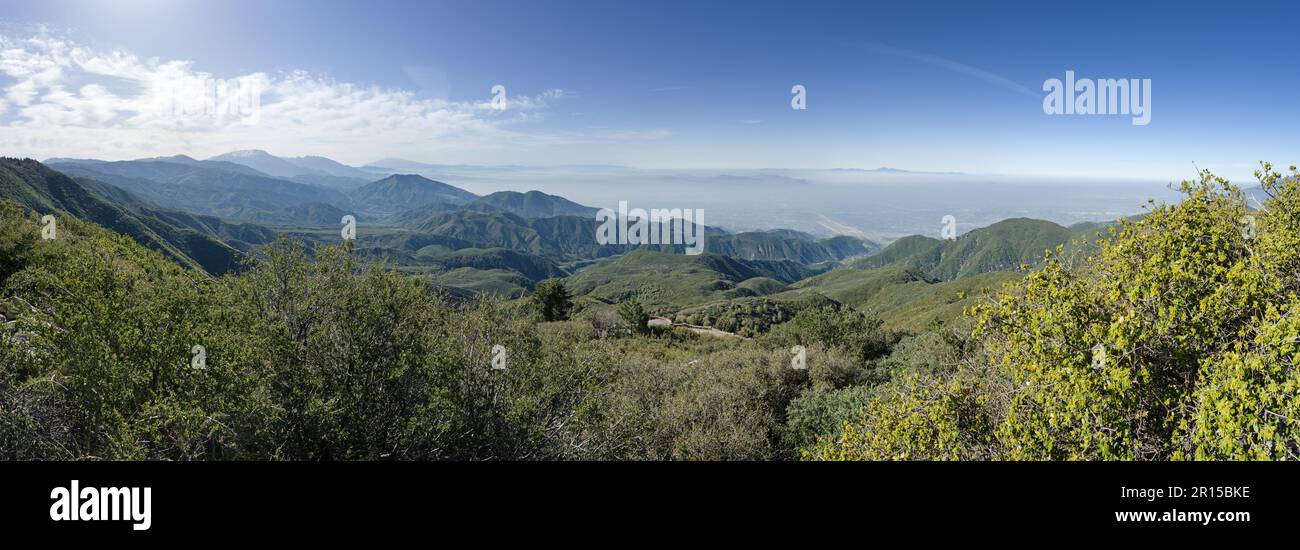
point(918, 85)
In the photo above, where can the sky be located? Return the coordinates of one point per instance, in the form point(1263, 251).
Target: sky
point(932, 86)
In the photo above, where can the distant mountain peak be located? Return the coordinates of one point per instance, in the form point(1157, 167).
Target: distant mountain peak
point(406, 180)
point(405, 177)
point(265, 162)
point(882, 169)
point(399, 192)
point(243, 153)
point(172, 158)
point(892, 170)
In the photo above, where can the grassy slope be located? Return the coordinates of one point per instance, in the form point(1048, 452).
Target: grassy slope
point(44, 190)
point(675, 280)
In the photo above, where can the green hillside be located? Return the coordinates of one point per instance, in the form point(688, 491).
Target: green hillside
point(766, 245)
point(240, 235)
point(491, 230)
point(918, 280)
point(760, 286)
point(37, 187)
point(916, 305)
point(494, 282)
point(1003, 246)
point(533, 204)
point(534, 268)
point(308, 213)
point(675, 280)
point(854, 285)
point(918, 248)
point(902, 296)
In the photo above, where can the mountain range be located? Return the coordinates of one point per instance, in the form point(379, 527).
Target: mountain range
point(212, 214)
point(309, 169)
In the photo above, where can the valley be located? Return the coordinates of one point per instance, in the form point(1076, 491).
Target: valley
point(215, 214)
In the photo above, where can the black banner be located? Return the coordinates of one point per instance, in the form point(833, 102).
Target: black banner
point(322, 500)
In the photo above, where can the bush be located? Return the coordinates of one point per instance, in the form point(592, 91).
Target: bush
point(825, 414)
point(552, 300)
point(635, 316)
point(856, 334)
point(727, 405)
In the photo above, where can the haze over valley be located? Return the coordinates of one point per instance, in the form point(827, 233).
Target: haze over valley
point(878, 204)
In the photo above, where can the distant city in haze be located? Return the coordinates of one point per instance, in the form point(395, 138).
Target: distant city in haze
point(879, 204)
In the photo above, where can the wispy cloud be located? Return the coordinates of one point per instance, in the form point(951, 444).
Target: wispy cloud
point(59, 97)
point(954, 66)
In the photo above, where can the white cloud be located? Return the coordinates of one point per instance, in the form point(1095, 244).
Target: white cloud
point(60, 98)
